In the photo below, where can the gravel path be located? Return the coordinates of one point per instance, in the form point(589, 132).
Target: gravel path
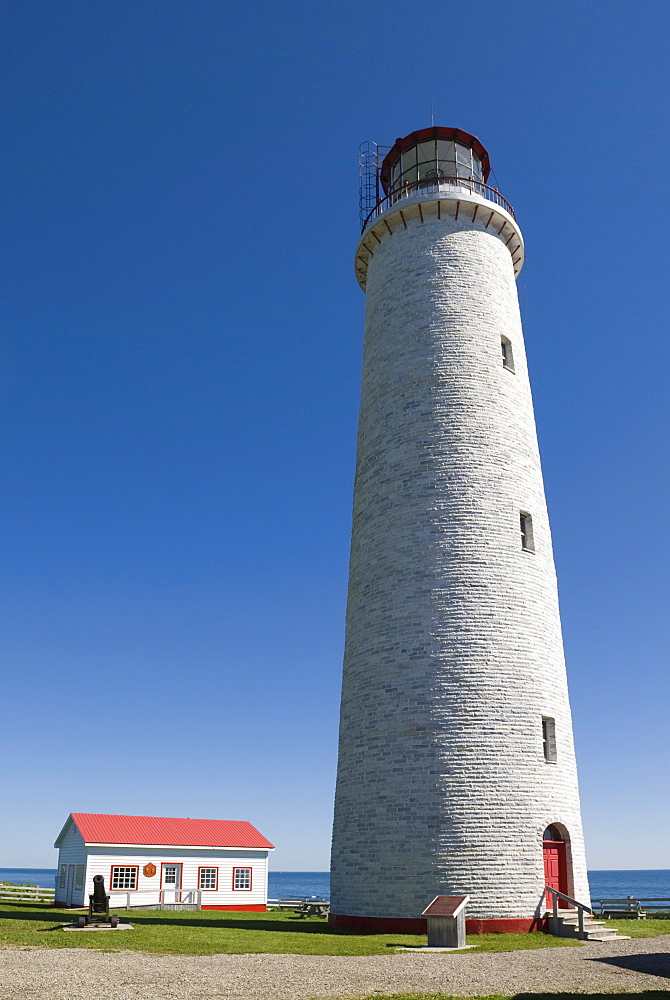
point(78, 974)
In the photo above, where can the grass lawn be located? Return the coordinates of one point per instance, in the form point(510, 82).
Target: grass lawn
point(640, 928)
point(212, 932)
point(645, 995)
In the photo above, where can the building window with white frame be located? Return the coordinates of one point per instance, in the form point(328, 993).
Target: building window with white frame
point(209, 878)
point(124, 877)
point(63, 877)
point(242, 878)
point(79, 877)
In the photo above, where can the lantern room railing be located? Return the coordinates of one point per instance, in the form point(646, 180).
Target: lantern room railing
point(437, 185)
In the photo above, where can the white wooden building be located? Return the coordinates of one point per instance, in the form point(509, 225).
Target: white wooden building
point(145, 859)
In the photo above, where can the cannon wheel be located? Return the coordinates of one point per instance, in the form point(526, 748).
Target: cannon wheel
point(114, 920)
point(81, 922)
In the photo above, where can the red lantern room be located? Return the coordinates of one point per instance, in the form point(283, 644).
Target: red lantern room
point(433, 160)
point(433, 154)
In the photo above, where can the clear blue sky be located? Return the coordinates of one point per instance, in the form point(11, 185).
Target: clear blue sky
point(180, 350)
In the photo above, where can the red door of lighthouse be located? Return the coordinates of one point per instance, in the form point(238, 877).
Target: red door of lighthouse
point(555, 864)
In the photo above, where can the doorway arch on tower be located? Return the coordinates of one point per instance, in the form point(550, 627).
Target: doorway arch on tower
point(557, 860)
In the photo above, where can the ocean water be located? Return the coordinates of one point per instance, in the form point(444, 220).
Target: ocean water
point(300, 885)
point(44, 877)
point(653, 884)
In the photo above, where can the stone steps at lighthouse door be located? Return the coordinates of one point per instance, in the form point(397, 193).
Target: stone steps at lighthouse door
point(594, 930)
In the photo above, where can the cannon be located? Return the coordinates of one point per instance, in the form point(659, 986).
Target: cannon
point(98, 904)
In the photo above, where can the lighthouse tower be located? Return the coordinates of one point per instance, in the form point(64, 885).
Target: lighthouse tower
point(456, 770)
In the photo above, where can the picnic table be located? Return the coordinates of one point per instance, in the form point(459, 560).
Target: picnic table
point(313, 908)
point(303, 907)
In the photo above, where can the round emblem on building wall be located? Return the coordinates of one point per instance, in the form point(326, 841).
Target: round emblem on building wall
point(149, 870)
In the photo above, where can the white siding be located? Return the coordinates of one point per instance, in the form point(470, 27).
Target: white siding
point(72, 852)
point(101, 860)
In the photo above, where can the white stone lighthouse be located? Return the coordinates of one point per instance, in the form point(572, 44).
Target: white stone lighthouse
point(456, 765)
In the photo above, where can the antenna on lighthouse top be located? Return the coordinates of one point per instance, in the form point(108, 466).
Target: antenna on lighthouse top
point(432, 113)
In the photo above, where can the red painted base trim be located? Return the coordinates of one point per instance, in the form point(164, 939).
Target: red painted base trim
point(417, 925)
point(240, 907)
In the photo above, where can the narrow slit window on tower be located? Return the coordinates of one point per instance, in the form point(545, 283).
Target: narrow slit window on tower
point(549, 739)
point(507, 356)
point(526, 523)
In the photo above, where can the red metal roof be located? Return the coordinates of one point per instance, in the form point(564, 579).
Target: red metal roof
point(100, 828)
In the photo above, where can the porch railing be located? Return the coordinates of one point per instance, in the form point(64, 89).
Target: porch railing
point(186, 896)
point(582, 908)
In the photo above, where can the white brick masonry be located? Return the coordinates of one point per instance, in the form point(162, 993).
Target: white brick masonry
point(453, 644)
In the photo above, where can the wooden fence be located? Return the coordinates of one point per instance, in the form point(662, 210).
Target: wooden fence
point(633, 906)
point(26, 893)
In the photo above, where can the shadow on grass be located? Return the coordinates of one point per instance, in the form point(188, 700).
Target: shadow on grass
point(44, 916)
point(291, 925)
point(167, 918)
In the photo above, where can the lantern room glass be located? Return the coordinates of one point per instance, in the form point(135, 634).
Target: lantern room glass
point(432, 160)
